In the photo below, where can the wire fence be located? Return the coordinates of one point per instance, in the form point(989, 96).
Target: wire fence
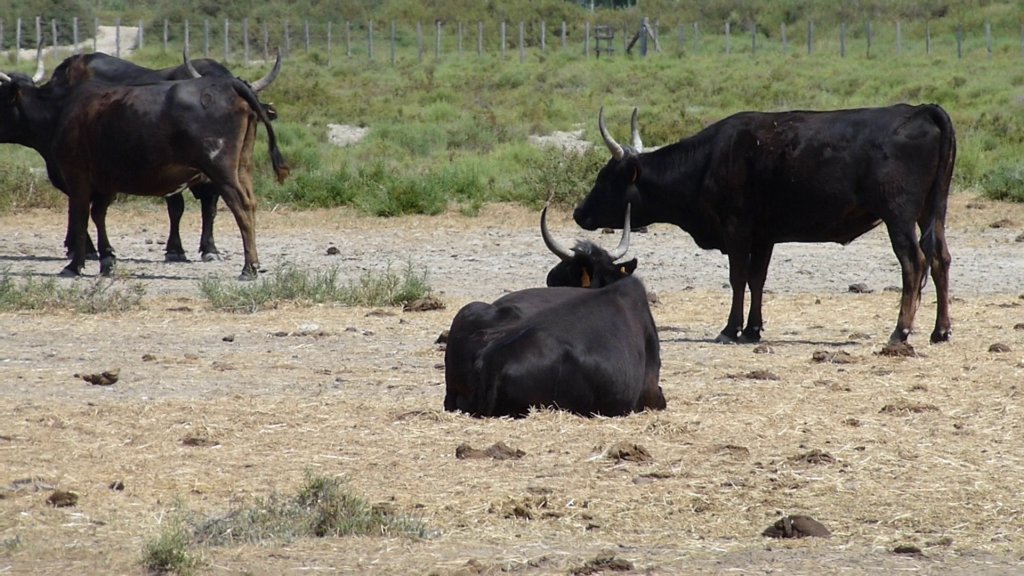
point(242, 41)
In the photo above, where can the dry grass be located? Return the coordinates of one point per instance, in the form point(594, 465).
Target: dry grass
point(215, 410)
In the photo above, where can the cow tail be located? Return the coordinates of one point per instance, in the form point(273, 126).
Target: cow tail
point(939, 194)
point(281, 169)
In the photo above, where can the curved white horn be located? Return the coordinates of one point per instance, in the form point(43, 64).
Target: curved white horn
point(554, 245)
point(264, 82)
point(610, 142)
point(188, 65)
point(623, 246)
point(638, 145)
point(5, 78)
point(40, 68)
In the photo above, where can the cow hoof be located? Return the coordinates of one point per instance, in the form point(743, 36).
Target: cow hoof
point(175, 257)
point(70, 272)
point(211, 256)
point(939, 336)
point(248, 275)
point(724, 338)
point(750, 337)
point(107, 267)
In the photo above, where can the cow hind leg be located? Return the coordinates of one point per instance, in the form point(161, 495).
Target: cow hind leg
point(738, 266)
point(940, 276)
point(913, 267)
point(760, 256)
point(77, 234)
point(174, 251)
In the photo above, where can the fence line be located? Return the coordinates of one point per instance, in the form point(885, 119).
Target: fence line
point(591, 36)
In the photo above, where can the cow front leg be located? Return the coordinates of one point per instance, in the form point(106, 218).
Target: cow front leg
point(174, 251)
point(77, 234)
point(760, 256)
point(733, 331)
point(912, 265)
point(99, 217)
point(207, 196)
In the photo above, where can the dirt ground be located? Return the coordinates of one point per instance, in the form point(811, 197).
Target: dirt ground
point(922, 452)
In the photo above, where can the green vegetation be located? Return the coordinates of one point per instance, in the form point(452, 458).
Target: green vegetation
point(83, 296)
point(451, 131)
point(322, 508)
point(289, 284)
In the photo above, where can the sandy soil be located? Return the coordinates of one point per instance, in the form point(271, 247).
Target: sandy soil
point(923, 451)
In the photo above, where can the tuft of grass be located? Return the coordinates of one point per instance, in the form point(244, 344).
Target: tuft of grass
point(290, 284)
point(170, 551)
point(88, 297)
point(322, 507)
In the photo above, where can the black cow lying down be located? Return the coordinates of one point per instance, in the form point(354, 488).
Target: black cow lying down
point(590, 351)
point(147, 140)
point(100, 67)
point(753, 180)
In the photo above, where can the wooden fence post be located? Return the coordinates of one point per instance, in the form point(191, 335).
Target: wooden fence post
point(437, 39)
point(543, 36)
point(565, 35)
point(394, 47)
point(165, 34)
point(348, 38)
point(17, 41)
point(74, 35)
point(753, 38)
point(329, 44)
point(522, 42)
point(369, 35)
point(785, 41)
point(728, 39)
point(479, 38)
point(39, 31)
point(810, 37)
point(696, 37)
point(988, 39)
point(928, 38)
point(899, 39)
point(870, 33)
point(842, 39)
point(305, 34)
point(503, 40)
point(586, 41)
point(959, 41)
point(206, 38)
point(266, 42)
point(245, 42)
point(462, 31)
point(419, 42)
point(53, 36)
point(227, 46)
point(117, 36)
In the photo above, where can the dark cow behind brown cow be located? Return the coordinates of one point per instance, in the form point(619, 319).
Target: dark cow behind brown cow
point(101, 67)
point(148, 140)
point(754, 179)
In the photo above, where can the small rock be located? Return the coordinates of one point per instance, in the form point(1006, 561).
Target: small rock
point(105, 378)
point(1001, 223)
point(333, 251)
point(797, 526)
point(62, 499)
point(860, 288)
point(496, 451)
point(763, 349)
point(630, 452)
point(908, 550)
point(830, 357)
point(229, 338)
point(999, 347)
point(424, 304)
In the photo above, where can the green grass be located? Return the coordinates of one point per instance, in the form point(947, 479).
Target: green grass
point(322, 507)
point(290, 284)
point(84, 296)
point(451, 132)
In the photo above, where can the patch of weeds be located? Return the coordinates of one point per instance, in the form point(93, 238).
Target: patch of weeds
point(290, 284)
point(83, 296)
point(322, 507)
point(170, 551)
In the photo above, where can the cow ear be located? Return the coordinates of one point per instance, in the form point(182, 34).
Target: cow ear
point(628, 267)
point(585, 279)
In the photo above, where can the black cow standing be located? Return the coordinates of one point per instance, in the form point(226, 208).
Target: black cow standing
point(753, 180)
point(590, 351)
point(100, 67)
point(100, 140)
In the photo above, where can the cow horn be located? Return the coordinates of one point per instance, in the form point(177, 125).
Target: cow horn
point(264, 82)
point(188, 65)
point(556, 247)
point(638, 145)
point(613, 146)
point(5, 78)
point(623, 246)
point(40, 68)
